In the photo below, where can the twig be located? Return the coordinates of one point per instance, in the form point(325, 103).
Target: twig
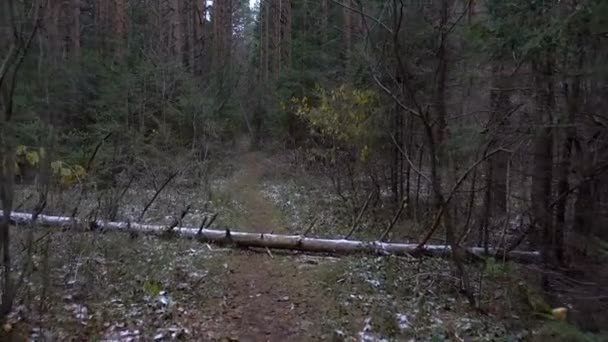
point(311, 226)
point(451, 195)
point(356, 221)
point(407, 158)
point(598, 171)
point(507, 211)
point(211, 220)
point(205, 225)
point(96, 150)
point(393, 221)
point(374, 19)
point(270, 254)
point(84, 189)
point(202, 226)
point(29, 197)
point(178, 221)
point(390, 93)
point(156, 195)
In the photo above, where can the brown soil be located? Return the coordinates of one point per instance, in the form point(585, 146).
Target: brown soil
point(265, 298)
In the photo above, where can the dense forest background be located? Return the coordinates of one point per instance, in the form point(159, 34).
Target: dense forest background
point(464, 122)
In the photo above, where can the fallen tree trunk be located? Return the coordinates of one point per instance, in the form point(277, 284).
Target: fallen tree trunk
point(274, 241)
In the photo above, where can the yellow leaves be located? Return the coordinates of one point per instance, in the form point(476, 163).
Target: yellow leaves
point(56, 166)
point(559, 314)
point(28, 155)
point(68, 175)
point(365, 153)
point(21, 150)
point(17, 168)
point(342, 113)
point(363, 97)
point(32, 158)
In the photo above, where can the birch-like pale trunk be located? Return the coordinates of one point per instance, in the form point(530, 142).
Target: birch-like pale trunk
point(274, 241)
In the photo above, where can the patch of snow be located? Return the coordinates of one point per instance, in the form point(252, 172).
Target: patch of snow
point(163, 299)
point(403, 322)
point(359, 297)
point(81, 312)
point(117, 333)
point(367, 335)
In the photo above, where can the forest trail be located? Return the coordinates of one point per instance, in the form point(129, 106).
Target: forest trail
point(264, 298)
point(259, 215)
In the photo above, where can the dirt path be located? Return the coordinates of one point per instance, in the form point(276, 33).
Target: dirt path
point(260, 214)
point(265, 298)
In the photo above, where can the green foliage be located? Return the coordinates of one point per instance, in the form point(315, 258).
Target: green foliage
point(384, 321)
point(497, 269)
point(566, 332)
point(524, 29)
point(67, 174)
point(153, 287)
point(29, 130)
point(345, 114)
point(64, 173)
point(534, 299)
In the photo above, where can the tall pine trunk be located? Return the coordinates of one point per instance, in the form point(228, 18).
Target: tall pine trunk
point(542, 172)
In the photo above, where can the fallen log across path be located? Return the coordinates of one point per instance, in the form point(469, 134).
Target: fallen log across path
point(274, 241)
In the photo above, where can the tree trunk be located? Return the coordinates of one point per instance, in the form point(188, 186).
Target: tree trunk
point(198, 20)
point(51, 26)
point(573, 97)
point(289, 242)
point(324, 19)
point(285, 38)
point(437, 134)
point(542, 173)
point(500, 106)
point(119, 28)
point(222, 34)
point(347, 29)
point(175, 26)
point(75, 29)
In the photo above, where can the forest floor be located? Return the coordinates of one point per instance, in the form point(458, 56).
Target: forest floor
point(264, 298)
point(111, 287)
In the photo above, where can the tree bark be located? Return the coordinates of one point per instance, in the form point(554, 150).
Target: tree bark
point(347, 29)
point(276, 241)
point(324, 19)
point(542, 173)
point(175, 26)
point(119, 29)
point(285, 38)
point(573, 97)
point(75, 29)
point(222, 34)
point(500, 105)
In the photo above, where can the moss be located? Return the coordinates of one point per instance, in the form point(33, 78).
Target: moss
point(565, 332)
point(384, 321)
